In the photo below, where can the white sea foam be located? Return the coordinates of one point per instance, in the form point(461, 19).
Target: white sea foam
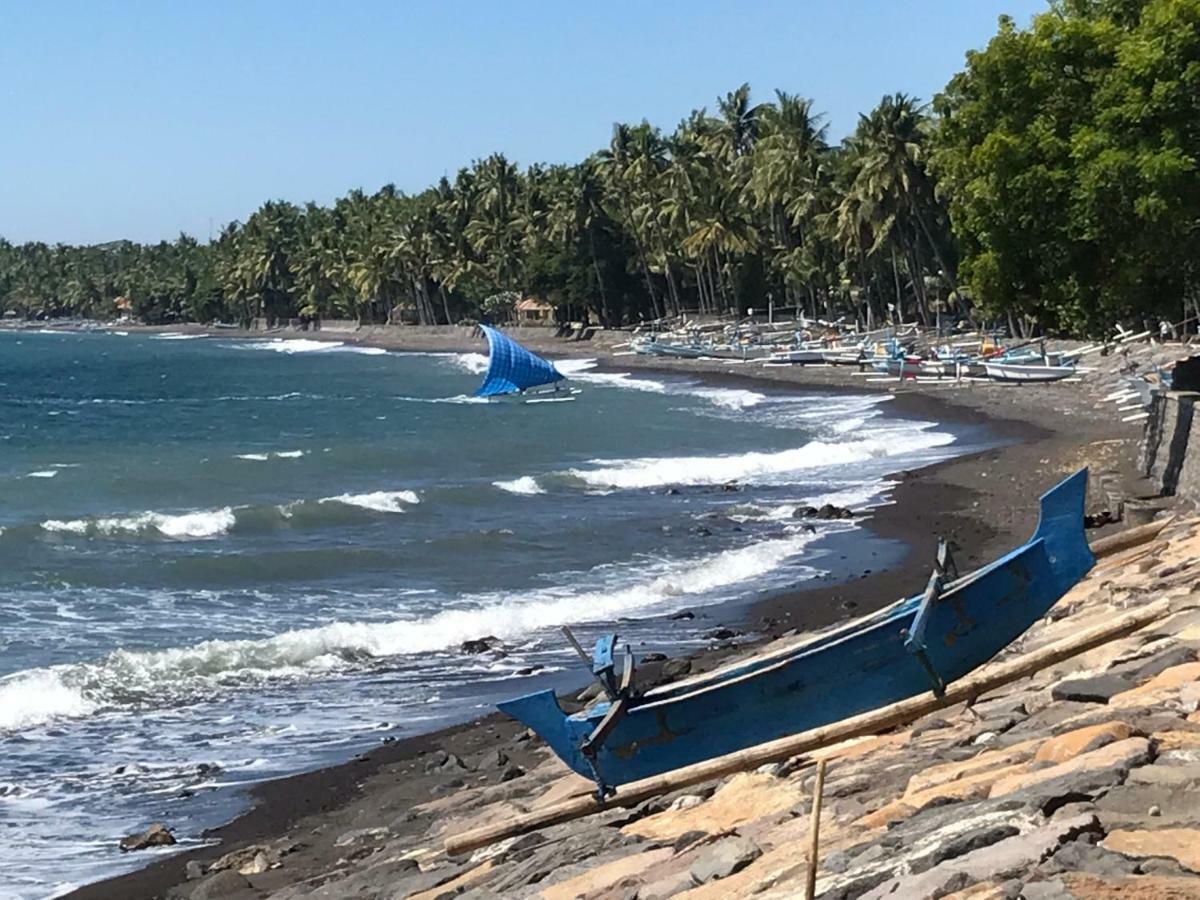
point(180, 526)
point(476, 363)
point(31, 698)
point(176, 336)
point(307, 345)
point(43, 473)
point(526, 484)
point(126, 677)
point(700, 470)
point(380, 501)
point(273, 454)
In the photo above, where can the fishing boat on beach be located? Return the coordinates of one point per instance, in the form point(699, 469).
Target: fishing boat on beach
point(1026, 372)
point(513, 371)
point(917, 644)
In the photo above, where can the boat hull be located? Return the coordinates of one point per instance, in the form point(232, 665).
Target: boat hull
point(855, 669)
point(1026, 373)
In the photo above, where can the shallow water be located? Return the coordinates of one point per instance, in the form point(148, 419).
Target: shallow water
point(221, 561)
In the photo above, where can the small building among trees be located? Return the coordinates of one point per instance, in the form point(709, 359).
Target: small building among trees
point(532, 311)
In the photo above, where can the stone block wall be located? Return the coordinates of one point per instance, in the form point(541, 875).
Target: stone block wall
point(1171, 452)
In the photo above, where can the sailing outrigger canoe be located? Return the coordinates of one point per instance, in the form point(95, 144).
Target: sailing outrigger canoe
point(513, 370)
point(917, 644)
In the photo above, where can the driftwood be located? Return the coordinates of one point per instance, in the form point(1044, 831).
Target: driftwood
point(1130, 537)
point(965, 689)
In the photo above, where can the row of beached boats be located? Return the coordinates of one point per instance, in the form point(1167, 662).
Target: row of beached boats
point(898, 353)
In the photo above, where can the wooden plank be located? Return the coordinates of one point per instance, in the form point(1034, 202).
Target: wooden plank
point(1130, 537)
point(814, 830)
point(964, 690)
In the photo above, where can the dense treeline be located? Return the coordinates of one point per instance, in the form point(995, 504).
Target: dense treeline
point(1054, 183)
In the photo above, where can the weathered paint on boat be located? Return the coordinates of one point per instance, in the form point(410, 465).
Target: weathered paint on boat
point(856, 668)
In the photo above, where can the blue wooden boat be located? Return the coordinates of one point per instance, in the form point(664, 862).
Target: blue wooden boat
point(513, 370)
point(917, 644)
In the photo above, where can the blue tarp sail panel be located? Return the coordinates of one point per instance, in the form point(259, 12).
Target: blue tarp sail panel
point(512, 368)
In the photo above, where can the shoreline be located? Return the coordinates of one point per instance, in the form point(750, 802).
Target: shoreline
point(986, 500)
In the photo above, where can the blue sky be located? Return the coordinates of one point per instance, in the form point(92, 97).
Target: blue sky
point(143, 119)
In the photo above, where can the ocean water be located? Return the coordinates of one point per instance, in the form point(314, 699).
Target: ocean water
point(222, 561)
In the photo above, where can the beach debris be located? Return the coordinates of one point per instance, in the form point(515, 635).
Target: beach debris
point(157, 835)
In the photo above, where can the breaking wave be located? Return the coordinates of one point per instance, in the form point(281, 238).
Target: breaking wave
point(207, 523)
point(272, 454)
point(379, 501)
point(162, 677)
point(200, 524)
point(526, 485)
point(307, 345)
point(711, 470)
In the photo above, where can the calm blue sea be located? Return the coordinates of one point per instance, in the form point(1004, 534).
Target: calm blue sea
point(221, 561)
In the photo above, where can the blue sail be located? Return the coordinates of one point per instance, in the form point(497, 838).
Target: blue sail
point(512, 368)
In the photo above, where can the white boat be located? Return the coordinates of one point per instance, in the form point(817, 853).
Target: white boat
point(1026, 373)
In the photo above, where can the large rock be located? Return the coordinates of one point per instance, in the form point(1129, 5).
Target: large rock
point(722, 859)
point(1179, 844)
point(604, 877)
point(1129, 887)
point(1065, 747)
point(1013, 857)
point(1144, 805)
point(1098, 689)
point(227, 885)
point(1107, 765)
point(156, 835)
point(744, 798)
point(1158, 687)
point(1175, 777)
point(990, 760)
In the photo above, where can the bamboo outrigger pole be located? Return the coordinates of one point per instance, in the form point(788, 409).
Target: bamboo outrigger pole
point(869, 723)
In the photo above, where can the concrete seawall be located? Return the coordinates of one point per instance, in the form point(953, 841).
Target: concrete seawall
point(1171, 449)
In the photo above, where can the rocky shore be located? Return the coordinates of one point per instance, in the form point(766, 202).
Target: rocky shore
point(1083, 780)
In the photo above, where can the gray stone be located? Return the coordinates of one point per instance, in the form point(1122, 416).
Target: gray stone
point(1084, 856)
point(1008, 859)
point(194, 869)
point(723, 859)
point(222, 886)
point(962, 844)
point(1179, 777)
point(1046, 890)
point(1160, 662)
point(157, 835)
point(676, 668)
point(1098, 689)
point(667, 886)
point(1129, 805)
point(362, 836)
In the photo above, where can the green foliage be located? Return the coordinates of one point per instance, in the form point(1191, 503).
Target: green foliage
point(1058, 183)
point(1068, 152)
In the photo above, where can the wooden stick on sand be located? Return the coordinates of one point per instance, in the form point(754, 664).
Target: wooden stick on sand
point(814, 828)
point(869, 723)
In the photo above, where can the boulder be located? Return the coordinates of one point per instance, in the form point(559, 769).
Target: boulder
point(1064, 747)
point(654, 657)
point(1086, 772)
point(1179, 844)
point(222, 886)
point(1097, 689)
point(744, 798)
point(682, 614)
point(1128, 887)
point(157, 835)
point(1165, 683)
point(481, 645)
point(722, 859)
point(676, 668)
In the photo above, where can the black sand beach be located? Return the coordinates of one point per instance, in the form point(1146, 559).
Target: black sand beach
point(986, 502)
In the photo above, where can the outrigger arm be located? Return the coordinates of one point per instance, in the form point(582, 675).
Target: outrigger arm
point(620, 695)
